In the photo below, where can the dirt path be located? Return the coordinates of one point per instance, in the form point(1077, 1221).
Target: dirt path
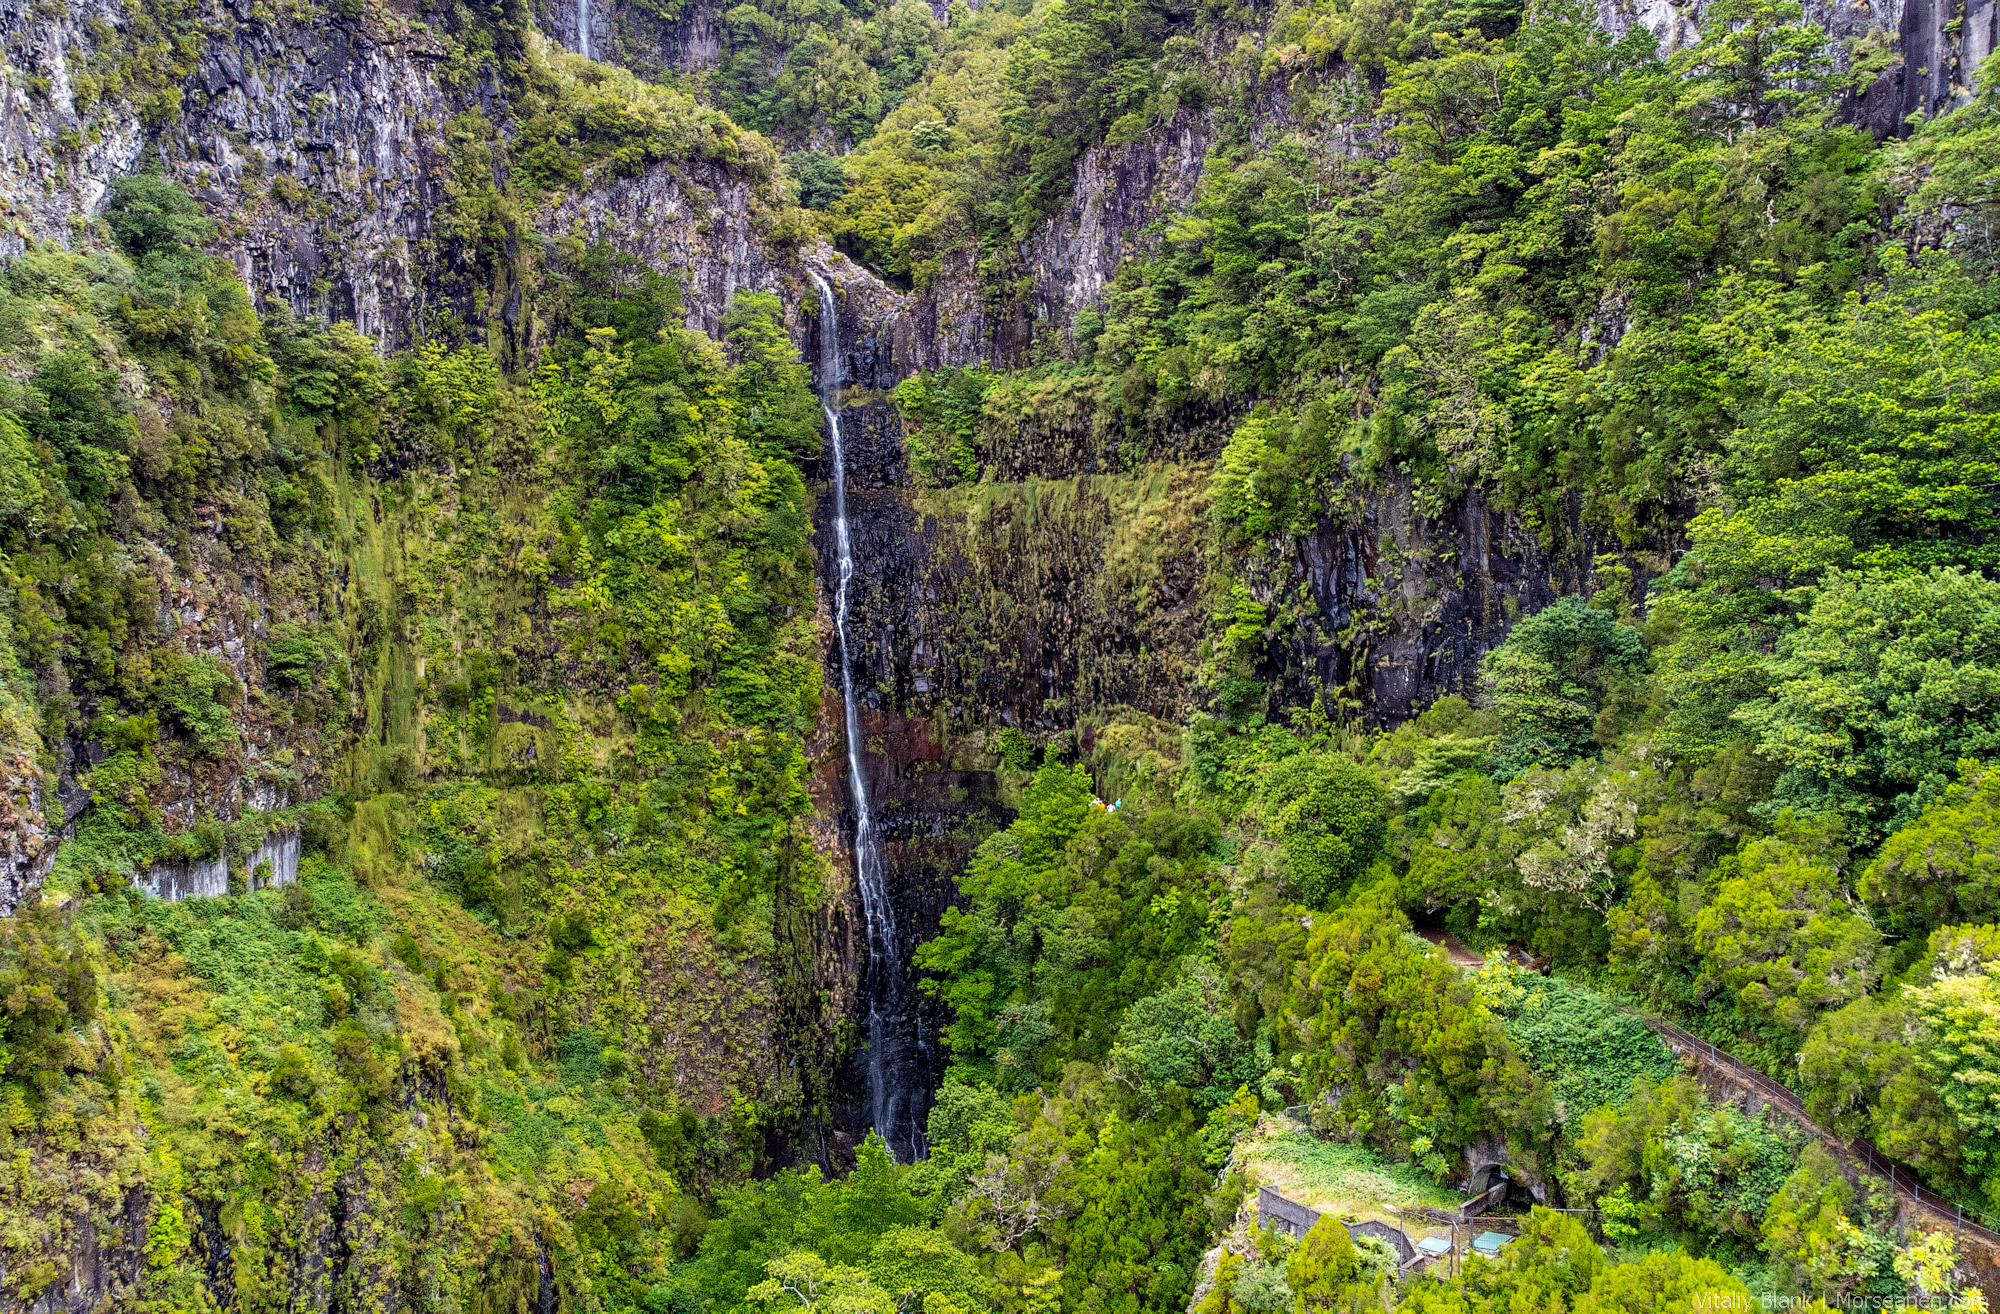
point(1454, 948)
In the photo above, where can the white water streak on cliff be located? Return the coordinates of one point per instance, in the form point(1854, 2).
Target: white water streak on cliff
point(889, 1099)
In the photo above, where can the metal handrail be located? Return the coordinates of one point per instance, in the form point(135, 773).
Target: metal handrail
point(1861, 1154)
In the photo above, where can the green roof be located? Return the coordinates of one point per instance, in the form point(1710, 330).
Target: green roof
point(1490, 1242)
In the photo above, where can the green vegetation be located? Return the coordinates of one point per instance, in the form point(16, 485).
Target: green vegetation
point(497, 620)
point(518, 629)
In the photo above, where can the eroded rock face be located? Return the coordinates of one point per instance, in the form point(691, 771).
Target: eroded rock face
point(27, 841)
point(636, 36)
point(319, 150)
point(1936, 44)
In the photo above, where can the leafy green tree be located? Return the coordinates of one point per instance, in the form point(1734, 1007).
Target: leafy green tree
point(1945, 170)
point(197, 692)
point(941, 412)
point(802, 1280)
point(1930, 1264)
point(1021, 1196)
point(1553, 1264)
point(1884, 684)
point(1959, 1045)
point(820, 179)
point(1944, 867)
point(1779, 937)
point(150, 212)
point(1662, 1282)
point(1141, 1223)
point(769, 386)
point(1684, 1160)
point(48, 995)
point(966, 1124)
point(1862, 1077)
point(921, 1268)
point(1549, 680)
point(1325, 1273)
point(1759, 60)
point(844, 1221)
point(326, 370)
point(1073, 912)
point(1455, 846)
point(1808, 1234)
point(1415, 1060)
point(1330, 817)
point(1086, 70)
point(1185, 1037)
point(1865, 438)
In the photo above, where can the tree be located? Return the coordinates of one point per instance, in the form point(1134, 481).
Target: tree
point(1685, 1160)
point(1071, 913)
point(1944, 867)
point(1815, 1246)
point(919, 1266)
point(966, 1124)
point(1863, 1079)
point(1758, 59)
point(802, 1280)
point(1777, 935)
point(1663, 1283)
point(1416, 1060)
point(820, 178)
point(1324, 1272)
point(1930, 1264)
point(1185, 1036)
point(1548, 681)
point(1552, 1265)
point(1141, 1222)
point(775, 409)
point(1959, 1048)
point(1885, 684)
point(1330, 817)
point(1024, 1190)
point(1568, 824)
point(844, 1220)
point(48, 995)
point(150, 212)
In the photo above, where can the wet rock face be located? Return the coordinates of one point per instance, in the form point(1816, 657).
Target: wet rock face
point(1407, 606)
point(1054, 602)
point(320, 151)
point(1938, 44)
point(105, 1262)
point(636, 36)
point(27, 842)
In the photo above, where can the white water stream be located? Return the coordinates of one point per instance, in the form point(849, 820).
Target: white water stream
point(891, 1100)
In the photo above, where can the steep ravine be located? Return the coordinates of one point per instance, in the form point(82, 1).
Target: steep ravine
point(1066, 591)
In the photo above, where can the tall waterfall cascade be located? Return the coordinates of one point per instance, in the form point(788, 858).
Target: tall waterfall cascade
point(896, 1088)
point(583, 28)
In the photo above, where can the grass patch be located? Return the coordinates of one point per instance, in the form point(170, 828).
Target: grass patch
point(1335, 1176)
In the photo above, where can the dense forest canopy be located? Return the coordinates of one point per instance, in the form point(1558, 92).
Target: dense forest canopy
point(517, 630)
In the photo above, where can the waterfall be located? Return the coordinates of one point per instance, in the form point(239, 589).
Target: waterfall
point(583, 28)
point(895, 1092)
